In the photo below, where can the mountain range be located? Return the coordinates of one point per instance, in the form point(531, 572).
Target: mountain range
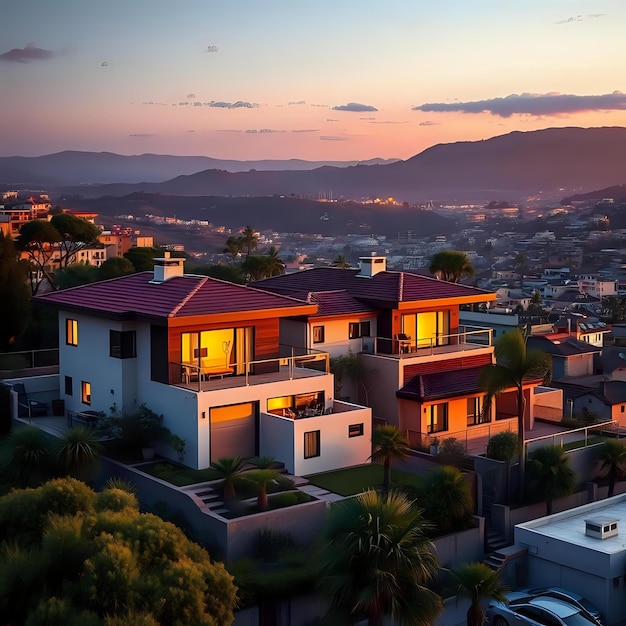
point(73, 167)
point(553, 161)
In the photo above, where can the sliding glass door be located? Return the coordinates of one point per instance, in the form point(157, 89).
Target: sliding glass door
point(427, 329)
point(227, 350)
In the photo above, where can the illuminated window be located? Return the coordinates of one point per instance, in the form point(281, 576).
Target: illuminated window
point(71, 332)
point(355, 430)
point(85, 393)
point(311, 444)
point(318, 334)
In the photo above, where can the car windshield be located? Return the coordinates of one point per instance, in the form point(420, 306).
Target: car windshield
point(577, 620)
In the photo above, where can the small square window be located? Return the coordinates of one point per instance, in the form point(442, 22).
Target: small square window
point(318, 334)
point(122, 345)
point(85, 393)
point(355, 430)
point(71, 332)
point(365, 329)
point(311, 444)
point(354, 330)
point(68, 386)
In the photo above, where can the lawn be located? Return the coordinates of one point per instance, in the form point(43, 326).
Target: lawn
point(353, 480)
point(179, 475)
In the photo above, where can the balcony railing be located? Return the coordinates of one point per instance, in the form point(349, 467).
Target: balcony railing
point(191, 376)
point(28, 359)
point(474, 438)
point(467, 338)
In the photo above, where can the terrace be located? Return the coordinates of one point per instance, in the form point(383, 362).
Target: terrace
point(404, 347)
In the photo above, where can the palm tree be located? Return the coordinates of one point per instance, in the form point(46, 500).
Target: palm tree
point(232, 247)
point(28, 455)
point(451, 265)
point(274, 265)
point(448, 502)
point(249, 239)
point(262, 478)
point(377, 562)
point(477, 581)
point(228, 468)
point(613, 457)
point(515, 364)
point(78, 450)
point(551, 475)
point(388, 443)
point(341, 262)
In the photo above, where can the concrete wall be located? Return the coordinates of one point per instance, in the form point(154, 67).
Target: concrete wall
point(337, 450)
point(386, 372)
point(226, 539)
point(462, 547)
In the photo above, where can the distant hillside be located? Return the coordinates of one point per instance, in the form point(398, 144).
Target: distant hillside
point(617, 192)
point(78, 168)
point(278, 214)
point(511, 166)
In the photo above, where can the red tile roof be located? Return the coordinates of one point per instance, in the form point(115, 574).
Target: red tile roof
point(384, 287)
point(339, 302)
point(440, 385)
point(135, 296)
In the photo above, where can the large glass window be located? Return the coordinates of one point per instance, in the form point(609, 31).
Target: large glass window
point(311, 444)
point(427, 329)
point(438, 417)
point(71, 332)
point(224, 351)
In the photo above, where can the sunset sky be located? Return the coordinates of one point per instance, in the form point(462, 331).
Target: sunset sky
point(310, 79)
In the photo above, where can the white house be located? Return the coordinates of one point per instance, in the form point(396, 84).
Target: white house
point(206, 354)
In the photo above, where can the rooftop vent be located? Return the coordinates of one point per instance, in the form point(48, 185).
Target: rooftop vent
point(599, 528)
point(370, 266)
point(166, 268)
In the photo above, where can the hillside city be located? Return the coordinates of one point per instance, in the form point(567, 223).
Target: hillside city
point(478, 371)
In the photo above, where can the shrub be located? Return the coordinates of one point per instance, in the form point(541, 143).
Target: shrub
point(452, 452)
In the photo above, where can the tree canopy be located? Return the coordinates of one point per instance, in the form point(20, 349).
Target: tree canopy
point(72, 556)
point(378, 561)
point(14, 294)
point(451, 265)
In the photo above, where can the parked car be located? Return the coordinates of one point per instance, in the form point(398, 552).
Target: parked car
point(568, 596)
point(537, 611)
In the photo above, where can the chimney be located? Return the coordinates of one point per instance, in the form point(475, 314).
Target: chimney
point(370, 266)
point(166, 268)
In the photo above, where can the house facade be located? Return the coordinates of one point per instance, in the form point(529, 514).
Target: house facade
point(207, 355)
point(422, 366)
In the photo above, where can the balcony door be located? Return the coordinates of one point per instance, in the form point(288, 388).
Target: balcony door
point(427, 329)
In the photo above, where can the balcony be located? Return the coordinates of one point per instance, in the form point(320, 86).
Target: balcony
point(196, 378)
point(401, 347)
point(29, 363)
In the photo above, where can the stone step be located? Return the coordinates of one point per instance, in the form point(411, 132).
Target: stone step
point(220, 511)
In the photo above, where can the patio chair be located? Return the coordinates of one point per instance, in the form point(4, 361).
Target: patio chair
point(26, 407)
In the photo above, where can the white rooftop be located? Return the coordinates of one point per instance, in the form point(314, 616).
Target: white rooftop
point(569, 526)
